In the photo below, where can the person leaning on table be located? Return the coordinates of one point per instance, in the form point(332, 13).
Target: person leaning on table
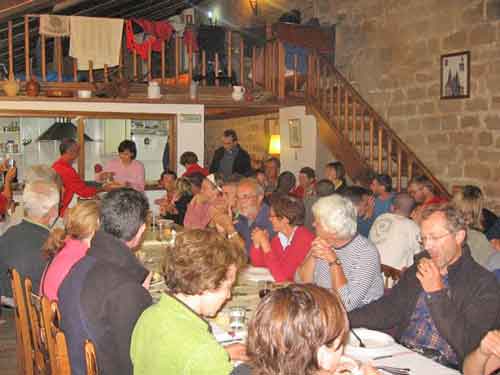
point(445, 302)
point(299, 329)
point(172, 337)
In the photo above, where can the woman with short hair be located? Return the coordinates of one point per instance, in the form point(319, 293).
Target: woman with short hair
point(124, 170)
point(172, 337)
point(299, 329)
point(284, 253)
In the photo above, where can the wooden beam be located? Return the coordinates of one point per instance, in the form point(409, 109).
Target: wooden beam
point(11, 54)
point(27, 48)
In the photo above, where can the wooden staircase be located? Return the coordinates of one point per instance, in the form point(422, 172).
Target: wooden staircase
point(355, 132)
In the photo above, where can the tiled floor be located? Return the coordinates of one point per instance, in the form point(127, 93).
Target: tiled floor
point(8, 344)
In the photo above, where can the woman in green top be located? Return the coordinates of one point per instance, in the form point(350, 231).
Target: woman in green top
point(171, 337)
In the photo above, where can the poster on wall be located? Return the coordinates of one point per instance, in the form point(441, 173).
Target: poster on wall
point(455, 75)
point(295, 133)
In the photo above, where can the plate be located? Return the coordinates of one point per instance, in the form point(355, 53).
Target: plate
point(374, 340)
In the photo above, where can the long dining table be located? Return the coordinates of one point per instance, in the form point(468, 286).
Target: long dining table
point(245, 295)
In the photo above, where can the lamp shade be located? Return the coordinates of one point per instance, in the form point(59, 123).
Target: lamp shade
point(274, 145)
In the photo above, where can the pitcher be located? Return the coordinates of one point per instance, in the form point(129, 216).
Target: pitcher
point(238, 93)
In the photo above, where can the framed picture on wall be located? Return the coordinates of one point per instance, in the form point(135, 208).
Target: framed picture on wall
point(455, 75)
point(295, 133)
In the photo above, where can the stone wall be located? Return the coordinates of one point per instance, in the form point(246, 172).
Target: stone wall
point(253, 134)
point(402, 41)
point(392, 49)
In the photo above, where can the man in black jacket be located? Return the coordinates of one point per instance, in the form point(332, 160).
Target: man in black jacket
point(105, 292)
point(446, 302)
point(231, 158)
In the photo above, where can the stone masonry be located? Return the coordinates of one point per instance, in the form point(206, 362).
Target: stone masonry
point(391, 50)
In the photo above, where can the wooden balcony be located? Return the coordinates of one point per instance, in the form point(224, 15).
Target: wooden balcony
point(260, 68)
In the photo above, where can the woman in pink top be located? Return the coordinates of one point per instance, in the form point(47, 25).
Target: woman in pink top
point(124, 170)
point(204, 205)
point(284, 253)
point(65, 247)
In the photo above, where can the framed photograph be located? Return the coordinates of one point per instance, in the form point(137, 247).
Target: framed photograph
point(295, 133)
point(455, 75)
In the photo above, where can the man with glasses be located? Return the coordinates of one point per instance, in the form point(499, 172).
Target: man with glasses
point(446, 302)
point(253, 212)
point(422, 190)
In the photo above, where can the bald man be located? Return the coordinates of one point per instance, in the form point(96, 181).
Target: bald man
point(396, 235)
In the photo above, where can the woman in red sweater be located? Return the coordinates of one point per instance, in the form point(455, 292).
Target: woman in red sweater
point(284, 253)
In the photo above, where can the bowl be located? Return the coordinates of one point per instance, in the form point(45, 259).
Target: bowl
point(84, 94)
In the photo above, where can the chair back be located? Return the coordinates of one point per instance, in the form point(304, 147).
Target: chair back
point(391, 276)
point(37, 334)
point(24, 345)
point(90, 358)
point(56, 341)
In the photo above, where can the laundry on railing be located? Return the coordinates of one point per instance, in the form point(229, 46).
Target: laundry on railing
point(97, 40)
point(54, 26)
point(154, 34)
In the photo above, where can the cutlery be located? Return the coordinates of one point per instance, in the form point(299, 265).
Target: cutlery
point(361, 343)
point(394, 370)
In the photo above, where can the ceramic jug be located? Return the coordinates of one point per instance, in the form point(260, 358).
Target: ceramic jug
point(11, 87)
point(238, 93)
point(154, 90)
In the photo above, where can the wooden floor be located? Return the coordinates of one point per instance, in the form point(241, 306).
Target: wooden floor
point(8, 343)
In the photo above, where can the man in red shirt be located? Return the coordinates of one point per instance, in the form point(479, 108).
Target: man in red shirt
point(422, 191)
point(6, 193)
point(72, 182)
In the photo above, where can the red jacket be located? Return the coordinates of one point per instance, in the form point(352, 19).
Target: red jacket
point(72, 183)
point(192, 168)
point(284, 262)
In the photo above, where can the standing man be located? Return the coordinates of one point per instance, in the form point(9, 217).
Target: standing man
point(446, 302)
point(272, 171)
point(72, 182)
point(231, 157)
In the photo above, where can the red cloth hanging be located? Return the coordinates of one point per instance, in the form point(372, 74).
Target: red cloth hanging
point(159, 31)
point(190, 40)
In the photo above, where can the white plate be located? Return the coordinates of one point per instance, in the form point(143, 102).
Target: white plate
point(374, 340)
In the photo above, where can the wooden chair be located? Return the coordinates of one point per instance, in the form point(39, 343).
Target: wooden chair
point(391, 276)
point(90, 358)
point(56, 341)
point(24, 345)
point(40, 352)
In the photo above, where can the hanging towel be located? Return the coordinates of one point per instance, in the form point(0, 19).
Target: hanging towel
point(96, 39)
point(155, 34)
point(51, 25)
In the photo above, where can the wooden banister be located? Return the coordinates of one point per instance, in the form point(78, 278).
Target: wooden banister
point(393, 156)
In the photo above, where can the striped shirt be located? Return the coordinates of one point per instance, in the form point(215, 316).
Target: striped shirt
point(361, 265)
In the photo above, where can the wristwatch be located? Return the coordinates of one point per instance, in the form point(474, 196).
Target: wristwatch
point(336, 262)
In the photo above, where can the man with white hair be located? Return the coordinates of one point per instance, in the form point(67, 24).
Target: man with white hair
point(20, 246)
point(340, 258)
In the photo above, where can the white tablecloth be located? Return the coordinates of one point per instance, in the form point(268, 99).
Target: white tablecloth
point(405, 358)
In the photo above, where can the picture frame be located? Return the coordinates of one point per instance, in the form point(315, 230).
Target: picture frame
point(455, 75)
point(295, 133)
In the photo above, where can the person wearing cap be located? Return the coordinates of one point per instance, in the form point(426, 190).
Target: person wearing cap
point(493, 262)
point(204, 205)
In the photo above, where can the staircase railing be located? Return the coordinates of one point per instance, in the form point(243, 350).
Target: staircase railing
point(379, 146)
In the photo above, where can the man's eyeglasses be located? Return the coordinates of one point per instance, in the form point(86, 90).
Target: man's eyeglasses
point(245, 197)
point(426, 239)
